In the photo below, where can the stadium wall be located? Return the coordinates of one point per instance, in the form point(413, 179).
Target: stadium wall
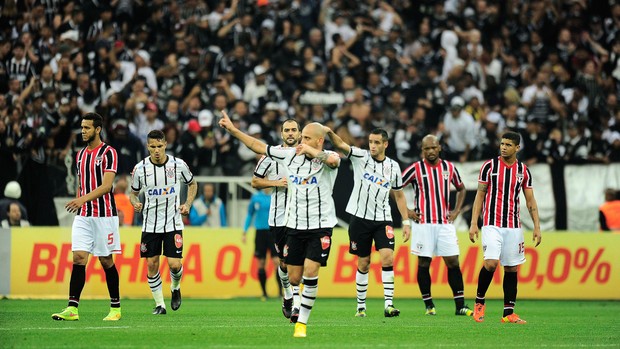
point(37, 264)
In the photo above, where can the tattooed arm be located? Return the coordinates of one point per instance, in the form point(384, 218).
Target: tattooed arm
point(532, 208)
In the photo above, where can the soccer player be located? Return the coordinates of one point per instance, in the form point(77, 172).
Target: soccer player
point(95, 227)
point(160, 176)
point(269, 173)
point(434, 233)
point(258, 210)
point(375, 177)
point(311, 213)
point(499, 184)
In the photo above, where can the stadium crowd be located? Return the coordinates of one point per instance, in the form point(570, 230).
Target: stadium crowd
point(464, 70)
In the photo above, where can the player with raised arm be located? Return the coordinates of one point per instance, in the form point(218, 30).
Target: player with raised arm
point(311, 215)
point(499, 184)
point(270, 174)
point(95, 227)
point(160, 177)
point(375, 177)
point(434, 233)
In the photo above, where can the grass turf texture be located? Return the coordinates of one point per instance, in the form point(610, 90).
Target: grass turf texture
point(250, 323)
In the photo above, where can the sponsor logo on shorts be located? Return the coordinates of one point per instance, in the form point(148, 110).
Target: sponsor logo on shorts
point(484, 248)
point(391, 242)
point(354, 245)
point(419, 246)
point(325, 242)
point(178, 240)
point(323, 254)
point(389, 232)
point(285, 252)
point(143, 247)
point(179, 251)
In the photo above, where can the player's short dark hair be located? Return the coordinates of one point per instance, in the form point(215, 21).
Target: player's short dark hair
point(293, 120)
point(379, 131)
point(96, 118)
point(513, 136)
point(156, 134)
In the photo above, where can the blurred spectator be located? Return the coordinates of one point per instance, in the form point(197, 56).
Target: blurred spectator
point(609, 211)
point(208, 209)
point(125, 209)
point(12, 194)
point(14, 217)
point(459, 132)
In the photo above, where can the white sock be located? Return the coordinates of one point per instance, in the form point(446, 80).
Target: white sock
point(286, 285)
point(175, 279)
point(308, 298)
point(387, 276)
point(296, 298)
point(155, 285)
point(361, 281)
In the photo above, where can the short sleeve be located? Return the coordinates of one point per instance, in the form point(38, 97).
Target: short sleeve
point(186, 174)
point(111, 160)
point(397, 178)
point(280, 154)
point(263, 167)
point(456, 178)
point(136, 184)
point(485, 172)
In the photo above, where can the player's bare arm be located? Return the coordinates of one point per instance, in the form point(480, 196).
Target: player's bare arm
point(337, 141)
point(106, 187)
point(476, 210)
point(460, 199)
point(401, 202)
point(135, 201)
point(191, 195)
point(532, 208)
point(262, 183)
point(254, 144)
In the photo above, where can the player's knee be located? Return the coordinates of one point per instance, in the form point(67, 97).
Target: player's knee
point(424, 262)
point(363, 264)
point(491, 265)
point(106, 262)
point(452, 262)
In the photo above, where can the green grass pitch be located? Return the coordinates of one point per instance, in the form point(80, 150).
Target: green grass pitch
point(251, 323)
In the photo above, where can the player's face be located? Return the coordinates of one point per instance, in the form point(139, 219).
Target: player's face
point(311, 138)
point(508, 149)
point(89, 132)
point(157, 150)
point(430, 150)
point(290, 133)
point(377, 146)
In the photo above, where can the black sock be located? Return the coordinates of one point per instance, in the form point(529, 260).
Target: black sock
point(510, 292)
point(484, 281)
point(424, 281)
point(111, 279)
point(76, 285)
point(262, 278)
point(455, 279)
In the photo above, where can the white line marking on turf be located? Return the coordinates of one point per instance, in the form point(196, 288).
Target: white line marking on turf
point(64, 328)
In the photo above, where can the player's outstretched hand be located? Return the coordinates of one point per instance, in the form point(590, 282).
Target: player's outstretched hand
point(225, 122)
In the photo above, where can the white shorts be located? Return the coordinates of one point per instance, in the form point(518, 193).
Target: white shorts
point(505, 244)
point(428, 240)
point(98, 236)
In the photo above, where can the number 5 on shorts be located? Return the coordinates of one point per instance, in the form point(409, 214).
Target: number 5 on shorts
point(110, 238)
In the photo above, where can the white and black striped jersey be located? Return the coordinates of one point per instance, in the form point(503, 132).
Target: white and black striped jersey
point(372, 182)
point(272, 170)
point(162, 190)
point(21, 70)
point(310, 187)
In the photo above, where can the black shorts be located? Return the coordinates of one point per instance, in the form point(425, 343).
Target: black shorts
point(151, 244)
point(313, 244)
point(278, 235)
point(263, 242)
point(362, 232)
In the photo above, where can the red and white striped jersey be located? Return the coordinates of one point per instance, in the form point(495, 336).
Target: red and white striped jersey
point(504, 184)
point(91, 165)
point(431, 185)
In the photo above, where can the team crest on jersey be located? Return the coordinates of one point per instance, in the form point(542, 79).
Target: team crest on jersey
point(178, 240)
point(98, 160)
point(325, 242)
point(519, 177)
point(285, 251)
point(143, 247)
point(387, 172)
point(353, 245)
point(315, 164)
point(446, 175)
point(389, 232)
point(170, 172)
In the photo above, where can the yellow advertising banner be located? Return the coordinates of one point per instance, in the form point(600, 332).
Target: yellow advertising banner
point(218, 265)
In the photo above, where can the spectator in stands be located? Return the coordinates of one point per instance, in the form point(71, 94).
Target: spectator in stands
point(12, 193)
point(125, 209)
point(14, 217)
point(459, 132)
point(609, 211)
point(208, 209)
